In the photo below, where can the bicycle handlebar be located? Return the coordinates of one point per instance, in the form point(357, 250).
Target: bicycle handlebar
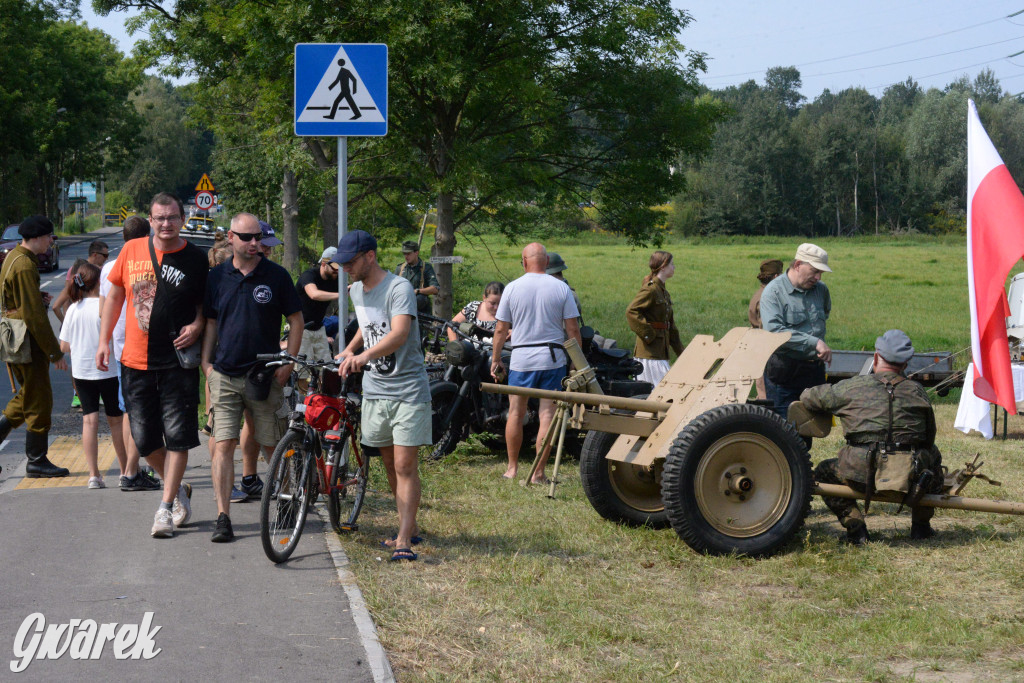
point(283, 357)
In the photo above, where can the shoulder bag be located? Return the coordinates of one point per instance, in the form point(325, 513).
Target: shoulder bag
point(188, 358)
point(15, 345)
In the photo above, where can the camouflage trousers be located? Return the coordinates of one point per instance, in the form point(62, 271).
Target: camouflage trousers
point(847, 509)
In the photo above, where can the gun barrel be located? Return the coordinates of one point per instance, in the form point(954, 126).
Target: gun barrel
point(1003, 507)
point(635, 404)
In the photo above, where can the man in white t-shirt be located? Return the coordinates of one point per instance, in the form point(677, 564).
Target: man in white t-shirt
point(132, 478)
point(537, 307)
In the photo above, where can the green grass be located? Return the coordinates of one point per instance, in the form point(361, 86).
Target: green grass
point(513, 586)
point(918, 285)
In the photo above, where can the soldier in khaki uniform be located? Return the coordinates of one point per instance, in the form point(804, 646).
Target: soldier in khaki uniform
point(420, 275)
point(650, 317)
point(23, 300)
point(862, 404)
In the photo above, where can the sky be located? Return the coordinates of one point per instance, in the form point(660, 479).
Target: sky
point(835, 45)
point(869, 43)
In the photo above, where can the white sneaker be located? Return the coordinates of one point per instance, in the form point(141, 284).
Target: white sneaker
point(163, 526)
point(96, 483)
point(181, 509)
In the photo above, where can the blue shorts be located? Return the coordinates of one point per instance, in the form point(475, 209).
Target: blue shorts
point(538, 379)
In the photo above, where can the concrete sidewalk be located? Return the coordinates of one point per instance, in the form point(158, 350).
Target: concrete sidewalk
point(225, 612)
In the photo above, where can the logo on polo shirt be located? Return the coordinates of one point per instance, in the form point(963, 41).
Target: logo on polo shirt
point(262, 294)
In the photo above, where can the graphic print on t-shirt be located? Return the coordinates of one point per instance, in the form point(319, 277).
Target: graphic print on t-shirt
point(143, 296)
point(375, 327)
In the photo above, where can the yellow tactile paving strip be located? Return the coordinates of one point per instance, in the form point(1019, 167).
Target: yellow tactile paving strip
point(66, 451)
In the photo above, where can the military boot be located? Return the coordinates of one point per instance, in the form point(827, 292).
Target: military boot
point(5, 427)
point(39, 466)
point(919, 531)
point(857, 533)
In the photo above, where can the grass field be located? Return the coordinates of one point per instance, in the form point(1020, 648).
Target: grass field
point(513, 586)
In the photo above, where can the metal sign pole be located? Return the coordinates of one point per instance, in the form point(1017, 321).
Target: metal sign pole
point(342, 229)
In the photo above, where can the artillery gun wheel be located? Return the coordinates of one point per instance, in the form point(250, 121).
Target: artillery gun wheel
point(737, 480)
point(620, 492)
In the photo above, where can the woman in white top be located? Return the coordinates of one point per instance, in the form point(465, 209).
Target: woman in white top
point(80, 336)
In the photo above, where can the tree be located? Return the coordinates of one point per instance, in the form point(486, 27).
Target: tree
point(494, 105)
point(168, 155)
point(62, 93)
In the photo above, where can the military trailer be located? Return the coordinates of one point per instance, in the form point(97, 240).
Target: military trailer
point(728, 475)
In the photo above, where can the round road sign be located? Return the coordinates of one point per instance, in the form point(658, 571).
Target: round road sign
point(204, 200)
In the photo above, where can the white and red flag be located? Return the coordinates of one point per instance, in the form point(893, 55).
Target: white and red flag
point(995, 242)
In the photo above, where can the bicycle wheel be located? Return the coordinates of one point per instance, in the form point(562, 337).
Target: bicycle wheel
point(284, 504)
point(345, 497)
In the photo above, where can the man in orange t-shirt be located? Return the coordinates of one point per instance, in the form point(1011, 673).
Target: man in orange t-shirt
point(162, 398)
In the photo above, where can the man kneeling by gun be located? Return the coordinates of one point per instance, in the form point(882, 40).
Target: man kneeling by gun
point(890, 438)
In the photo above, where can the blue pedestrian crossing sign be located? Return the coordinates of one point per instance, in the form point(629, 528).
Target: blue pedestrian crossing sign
point(341, 89)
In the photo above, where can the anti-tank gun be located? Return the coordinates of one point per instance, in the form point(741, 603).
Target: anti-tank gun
point(728, 476)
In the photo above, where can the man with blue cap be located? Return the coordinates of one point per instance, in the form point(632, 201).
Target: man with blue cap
point(396, 415)
point(886, 418)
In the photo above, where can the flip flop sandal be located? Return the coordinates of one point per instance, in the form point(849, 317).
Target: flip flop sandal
point(403, 554)
point(415, 540)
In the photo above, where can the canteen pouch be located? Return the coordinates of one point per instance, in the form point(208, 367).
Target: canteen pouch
point(257, 382)
point(15, 345)
point(895, 471)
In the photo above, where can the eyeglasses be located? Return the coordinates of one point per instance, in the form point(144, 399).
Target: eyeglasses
point(334, 268)
point(173, 218)
point(248, 236)
point(104, 254)
point(355, 258)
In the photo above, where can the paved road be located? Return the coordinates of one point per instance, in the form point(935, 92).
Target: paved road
point(223, 610)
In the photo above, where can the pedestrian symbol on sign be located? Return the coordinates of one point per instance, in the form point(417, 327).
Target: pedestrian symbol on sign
point(344, 78)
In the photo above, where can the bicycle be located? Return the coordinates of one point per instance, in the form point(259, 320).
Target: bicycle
point(318, 454)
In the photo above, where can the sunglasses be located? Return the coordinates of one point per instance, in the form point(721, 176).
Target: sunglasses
point(248, 236)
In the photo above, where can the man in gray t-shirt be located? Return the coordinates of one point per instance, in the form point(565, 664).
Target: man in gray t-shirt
point(396, 394)
point(537, 308)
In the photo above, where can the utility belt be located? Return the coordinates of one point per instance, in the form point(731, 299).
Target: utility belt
point(552, 346)
point(313, 325)
point(883, 446)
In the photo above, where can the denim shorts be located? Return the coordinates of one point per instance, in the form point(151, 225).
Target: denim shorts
point(538, 379)
point(163, 407)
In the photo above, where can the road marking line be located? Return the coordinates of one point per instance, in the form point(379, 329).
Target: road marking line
point(375, 654)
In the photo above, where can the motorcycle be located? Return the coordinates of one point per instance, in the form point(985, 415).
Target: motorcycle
point(460, 407)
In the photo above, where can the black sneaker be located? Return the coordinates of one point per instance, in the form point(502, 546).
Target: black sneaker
point(223, 532)
point(140, 482)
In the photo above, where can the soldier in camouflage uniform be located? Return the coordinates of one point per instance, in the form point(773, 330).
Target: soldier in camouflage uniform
point(862, 404)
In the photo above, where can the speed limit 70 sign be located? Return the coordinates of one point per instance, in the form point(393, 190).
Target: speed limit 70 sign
point(204, 200)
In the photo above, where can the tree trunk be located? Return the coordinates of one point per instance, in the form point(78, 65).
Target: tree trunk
point(444, 245)
point(290, 214)
point(856, 182)
point(329, 219)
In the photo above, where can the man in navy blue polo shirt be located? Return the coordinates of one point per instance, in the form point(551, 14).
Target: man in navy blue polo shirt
point(246, 297)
